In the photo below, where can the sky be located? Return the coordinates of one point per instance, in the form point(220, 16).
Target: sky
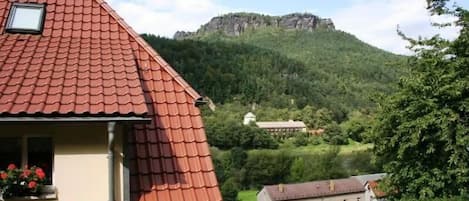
point(372, 21)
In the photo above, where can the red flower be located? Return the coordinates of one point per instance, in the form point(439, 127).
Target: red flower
point(26, 173)
point(40, 174)
point(11, 167)
point(32, 184)
point(4, 175)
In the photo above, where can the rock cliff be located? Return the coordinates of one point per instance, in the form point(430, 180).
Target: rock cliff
point(236, 23)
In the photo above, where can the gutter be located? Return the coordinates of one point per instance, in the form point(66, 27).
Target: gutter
point(110, 156)
point(200, 101)
point(75, 119)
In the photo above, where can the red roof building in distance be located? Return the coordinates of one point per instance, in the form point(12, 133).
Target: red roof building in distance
point(333, 190)
point(373, 192)
point(80, 62)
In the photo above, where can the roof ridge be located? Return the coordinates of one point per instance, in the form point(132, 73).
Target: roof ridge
point(187, 88)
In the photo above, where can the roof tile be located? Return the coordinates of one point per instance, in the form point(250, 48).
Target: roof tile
point(88, 61)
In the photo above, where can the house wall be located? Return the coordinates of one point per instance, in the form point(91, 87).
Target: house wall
point(346, 197)
point(80, 158)
point(263, 196)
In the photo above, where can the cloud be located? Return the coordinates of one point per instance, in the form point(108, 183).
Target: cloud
point(372, 21)
point(165, 17)
point(376, 22)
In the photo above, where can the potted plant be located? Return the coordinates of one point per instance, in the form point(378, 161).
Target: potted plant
point(17, 182)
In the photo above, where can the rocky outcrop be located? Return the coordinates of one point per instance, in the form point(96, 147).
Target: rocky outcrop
point(235, 24)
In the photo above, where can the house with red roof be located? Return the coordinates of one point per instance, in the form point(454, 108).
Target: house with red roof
point(348, 189)
point(373, 193)
point(86, 99)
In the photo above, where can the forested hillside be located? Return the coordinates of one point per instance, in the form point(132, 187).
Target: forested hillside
point(284, 68)
point(289, 67)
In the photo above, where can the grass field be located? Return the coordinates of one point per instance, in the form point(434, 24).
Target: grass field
point(344, 149)
point(249, 195)
point(321, 148)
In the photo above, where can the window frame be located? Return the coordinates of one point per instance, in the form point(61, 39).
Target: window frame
point(24, 151)
point(12, 13)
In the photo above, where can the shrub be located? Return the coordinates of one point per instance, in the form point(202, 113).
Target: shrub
point(334, 135)
point(300, 139)
point(315, 140)
point(226, 135)
point(230, 189)
point(266, 167)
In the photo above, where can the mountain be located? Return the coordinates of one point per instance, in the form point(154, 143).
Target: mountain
point(261, 59)
point(234, 24)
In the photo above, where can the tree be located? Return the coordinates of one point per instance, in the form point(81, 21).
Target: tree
point(357, 126)
point(297, 170)
point(238, 157)
point(334, 135)
point(264, 167)
point(230, 189)
point(322, 118)
point(422, 131)
point(300, 139)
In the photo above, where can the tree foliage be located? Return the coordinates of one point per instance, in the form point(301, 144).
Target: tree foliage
point(278, 68)
point(358, 126)
point(422, 131)
point(230, 189)
point(229, 135)
point(334, 135)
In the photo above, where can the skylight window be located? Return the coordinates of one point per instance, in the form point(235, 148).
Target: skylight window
point(26, 18)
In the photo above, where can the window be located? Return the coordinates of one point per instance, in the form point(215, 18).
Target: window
point(32, 151)
point(10, 152)
point(26, 18)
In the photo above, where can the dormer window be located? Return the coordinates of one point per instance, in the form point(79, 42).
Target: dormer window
point(26, 18)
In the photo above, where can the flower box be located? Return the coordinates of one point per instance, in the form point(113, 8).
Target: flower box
point(21, 182)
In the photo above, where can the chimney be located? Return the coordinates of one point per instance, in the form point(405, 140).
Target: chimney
point(331, 186)
point(281, 188)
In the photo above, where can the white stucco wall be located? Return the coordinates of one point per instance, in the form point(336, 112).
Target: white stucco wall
point(346, 197)
point(263, 196)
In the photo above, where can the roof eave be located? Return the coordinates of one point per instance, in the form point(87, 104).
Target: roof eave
point(133, 119)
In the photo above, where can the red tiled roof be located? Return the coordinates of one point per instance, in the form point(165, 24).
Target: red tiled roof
point(314, 189)
point(81, 64)
point(88, 61)
point(374, 187)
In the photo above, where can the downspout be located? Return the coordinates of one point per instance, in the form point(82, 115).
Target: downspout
point(110, 156)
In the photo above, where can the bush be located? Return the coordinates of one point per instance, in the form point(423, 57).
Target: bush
point(297, 170)
point(358, 126)
point(227, 135)
point(230, 189)
point(238, 157)
point(334, 135)
point(361, 162)
point(317, 167)
point(265, 167)
point(300, 139)
point(315, 140)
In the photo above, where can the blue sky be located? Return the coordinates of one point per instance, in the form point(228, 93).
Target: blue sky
point(373, 21)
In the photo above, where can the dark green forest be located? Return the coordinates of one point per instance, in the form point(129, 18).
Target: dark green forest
point(283, 69)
